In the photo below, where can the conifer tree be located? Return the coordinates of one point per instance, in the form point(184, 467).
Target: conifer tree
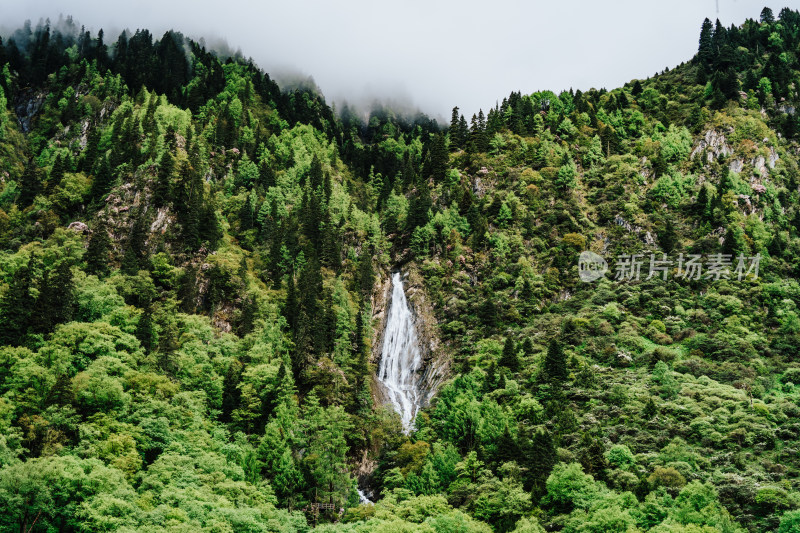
point(145, 332)
point(439, 158)
point(490, 382)
point(90, 153)
point(16, 306)
point(55, 302)
point(30, 185)
point(231, 394)
point(56, 173)
point(705, 51)
point(509, 358)
point(366, 273)
point(507, 449)
point(667, 236)
point(650, 409)
point(134, 256)
point(555, 363)
point(538, 456)
point(102, 181)
point(162, 186)
point(488, 311)
point(97, 259)
point(455, 132)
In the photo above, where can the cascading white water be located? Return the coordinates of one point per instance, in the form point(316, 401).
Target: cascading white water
point(400, 357)
point(362, 498)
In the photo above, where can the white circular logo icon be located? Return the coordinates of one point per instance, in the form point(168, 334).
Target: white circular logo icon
point(591, 267)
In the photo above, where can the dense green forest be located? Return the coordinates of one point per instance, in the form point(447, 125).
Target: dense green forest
point(189, 263)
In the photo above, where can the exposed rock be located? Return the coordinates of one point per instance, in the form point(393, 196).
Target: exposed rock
point(736, 165)
point(744, 200)
point(759, 164)
point(773, 158)
point(630, 228)
point(436, 359)
point(29, 104)
point(161, 222)
point(79, 227)
point(715, 144)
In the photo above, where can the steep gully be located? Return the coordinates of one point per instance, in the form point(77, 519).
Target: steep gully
point(411, 364)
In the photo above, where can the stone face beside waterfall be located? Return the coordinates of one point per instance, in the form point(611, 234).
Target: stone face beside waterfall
point(435, 358)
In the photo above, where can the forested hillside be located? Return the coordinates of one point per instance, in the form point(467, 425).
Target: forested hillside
point(189, 268)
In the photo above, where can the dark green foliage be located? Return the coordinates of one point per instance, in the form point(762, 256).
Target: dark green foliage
point(30, 184)
point(16, 306)
point(213, 339)
point(554, 369)
point(509, 358)
point(55, 302)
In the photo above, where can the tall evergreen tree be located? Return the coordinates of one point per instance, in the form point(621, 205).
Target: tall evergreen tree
point(16, 306)
point(97, 251)
point(705, 51)
point(30, 184)
point(509, 358)
point(555, 363)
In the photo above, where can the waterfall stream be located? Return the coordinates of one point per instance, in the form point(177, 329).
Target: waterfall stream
point(400, 357)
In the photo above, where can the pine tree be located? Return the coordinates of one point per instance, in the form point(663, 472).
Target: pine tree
point(91, 150)
point(490, 382)
point(667, 236)
point(56, 173)
point(555, 363)
point(593, 458)
point(162, 187)
point(231, 394)
point(16, 306)
point(30, 185)
point(315, 174)
point(509, 358)
point(439, 158)
point(145, 331)
point(538, 456)
point(463, 132)
point(134, 257)
point(488, 312)
point(419, 205)
point(527, 347)
point(650, 409)
point(455, 132)
point(507, 449)
point(705, 51)
point(366, 273)
point(102, 182)
point(56, 299)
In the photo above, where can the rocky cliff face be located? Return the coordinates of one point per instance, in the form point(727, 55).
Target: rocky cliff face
point(436, 359)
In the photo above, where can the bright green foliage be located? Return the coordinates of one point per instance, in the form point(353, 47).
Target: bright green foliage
point(191, 272)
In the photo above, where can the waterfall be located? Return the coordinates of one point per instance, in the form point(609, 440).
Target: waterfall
point(362, 498)
point(400, 357)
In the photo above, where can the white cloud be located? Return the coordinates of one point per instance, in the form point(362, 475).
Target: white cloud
point(433, 53)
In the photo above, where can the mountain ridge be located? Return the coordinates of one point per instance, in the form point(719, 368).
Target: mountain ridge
point(189, 257)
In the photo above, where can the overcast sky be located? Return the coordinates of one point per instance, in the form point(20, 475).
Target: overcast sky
point(434, 54)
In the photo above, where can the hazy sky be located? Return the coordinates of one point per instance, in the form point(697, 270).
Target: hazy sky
point(430, 53)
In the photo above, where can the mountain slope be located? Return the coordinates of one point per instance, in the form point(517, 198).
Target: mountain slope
point(190, 259)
